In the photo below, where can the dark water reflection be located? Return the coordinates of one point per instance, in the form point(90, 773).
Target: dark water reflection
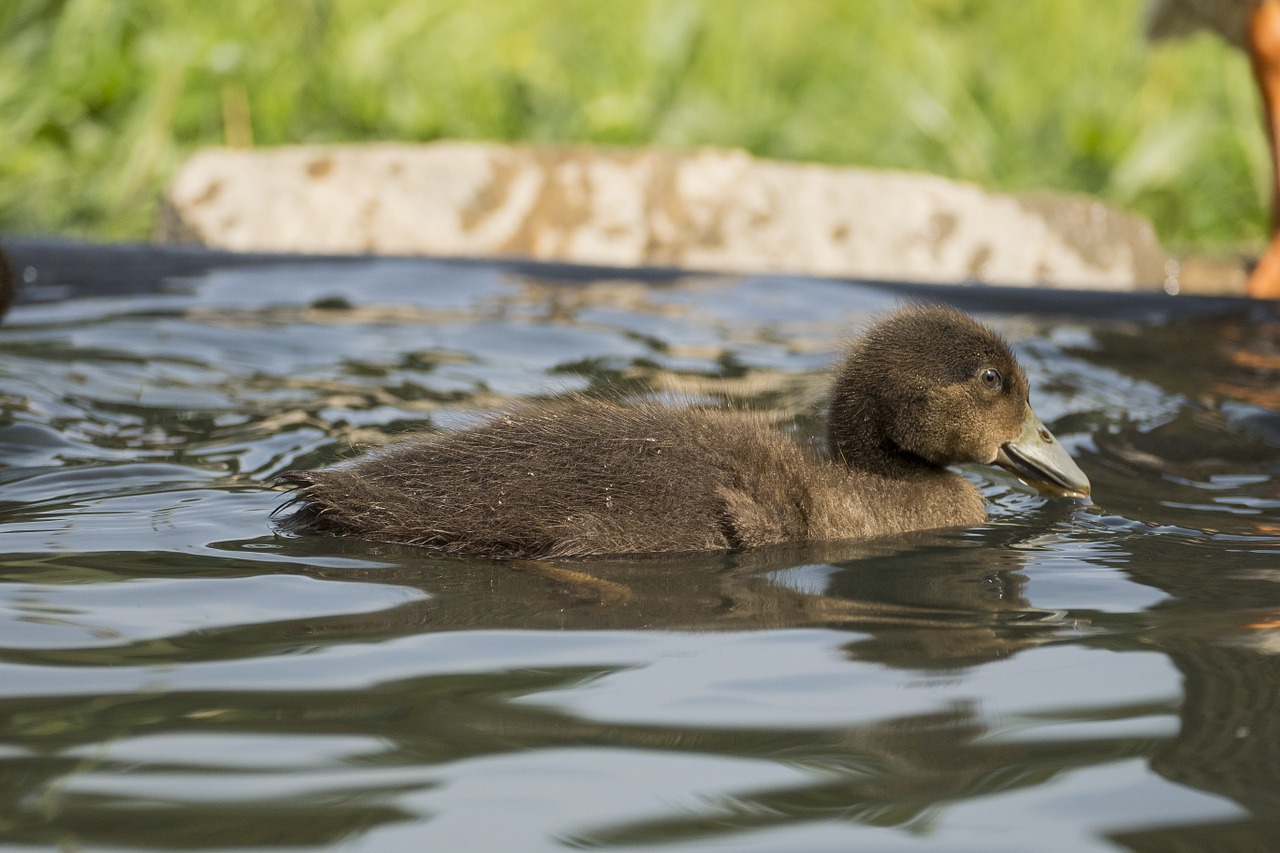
point(175, 676)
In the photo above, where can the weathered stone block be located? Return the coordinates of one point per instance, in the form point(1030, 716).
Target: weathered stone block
point(708, 209)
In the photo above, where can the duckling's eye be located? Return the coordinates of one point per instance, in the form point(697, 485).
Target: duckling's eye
point(991, 378)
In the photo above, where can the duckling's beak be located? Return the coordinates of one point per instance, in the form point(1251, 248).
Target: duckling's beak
point(1037, 457)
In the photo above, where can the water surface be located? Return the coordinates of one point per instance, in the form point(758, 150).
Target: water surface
point(175, 675)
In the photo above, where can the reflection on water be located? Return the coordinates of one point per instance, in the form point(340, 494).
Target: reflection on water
point(175, 675)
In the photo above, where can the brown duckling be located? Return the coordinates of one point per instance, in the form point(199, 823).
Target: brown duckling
point(923, 389)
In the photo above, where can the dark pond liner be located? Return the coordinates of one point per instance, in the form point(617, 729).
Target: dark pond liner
point(53, 269)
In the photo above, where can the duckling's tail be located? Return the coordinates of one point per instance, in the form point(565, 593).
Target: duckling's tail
point(309, 512)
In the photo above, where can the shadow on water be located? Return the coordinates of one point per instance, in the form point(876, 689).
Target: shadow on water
point(173, 676)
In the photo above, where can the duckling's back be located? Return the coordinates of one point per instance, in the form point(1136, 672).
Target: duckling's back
point(584, 479)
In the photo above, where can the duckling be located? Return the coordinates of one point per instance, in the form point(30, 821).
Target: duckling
point(925, 388)
point(1253, 26)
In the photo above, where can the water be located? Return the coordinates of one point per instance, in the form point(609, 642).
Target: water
point(174, 675)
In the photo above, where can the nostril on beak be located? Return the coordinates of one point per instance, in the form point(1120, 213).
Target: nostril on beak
point(1046, 436)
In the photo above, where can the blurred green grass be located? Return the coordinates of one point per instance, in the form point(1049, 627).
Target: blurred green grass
point(100, 100)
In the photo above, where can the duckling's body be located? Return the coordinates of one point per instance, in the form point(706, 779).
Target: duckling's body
point(594, 478)
point(597, 478)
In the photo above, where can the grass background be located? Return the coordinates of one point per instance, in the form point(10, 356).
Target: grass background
point(100, 100)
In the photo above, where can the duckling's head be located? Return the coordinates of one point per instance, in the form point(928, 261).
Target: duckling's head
point(930, 385)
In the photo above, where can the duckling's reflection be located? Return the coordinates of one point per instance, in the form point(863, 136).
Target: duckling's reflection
point(930, 601)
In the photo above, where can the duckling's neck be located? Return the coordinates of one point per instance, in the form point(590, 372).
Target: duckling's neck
point(877, 454)
point(857, 438)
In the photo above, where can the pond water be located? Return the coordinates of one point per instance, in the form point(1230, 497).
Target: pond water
point(176, 675)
